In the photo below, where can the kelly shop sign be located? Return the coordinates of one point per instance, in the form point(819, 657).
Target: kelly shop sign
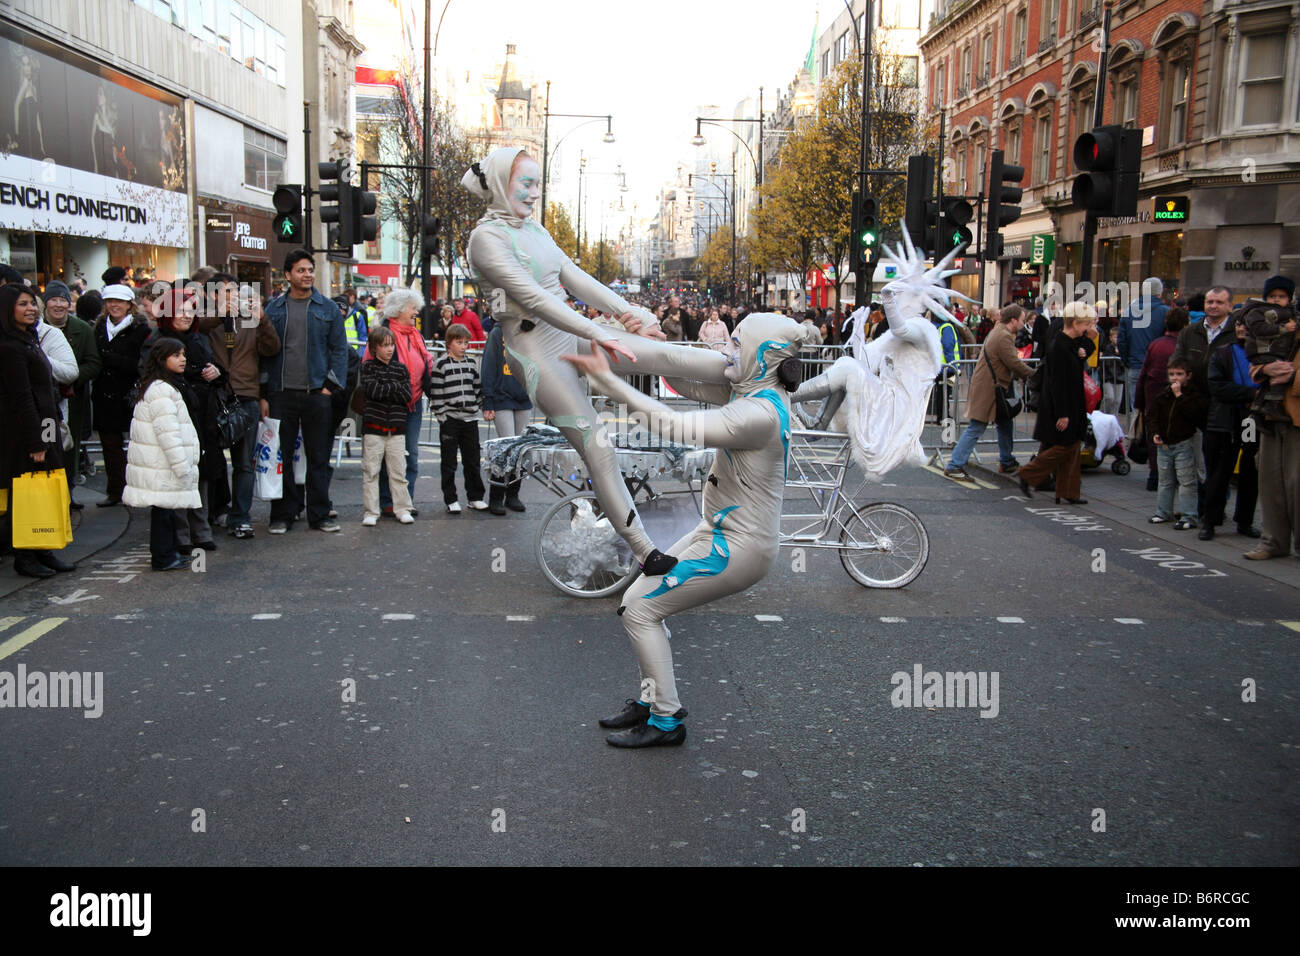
point(38, 196)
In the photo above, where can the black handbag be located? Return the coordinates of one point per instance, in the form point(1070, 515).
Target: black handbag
point(1005, 400)
point(228, 418)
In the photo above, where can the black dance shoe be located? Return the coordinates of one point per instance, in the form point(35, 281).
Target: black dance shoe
point(631, 715)
point(648, 735)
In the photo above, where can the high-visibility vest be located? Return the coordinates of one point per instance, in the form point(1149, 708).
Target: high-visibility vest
point(356, 338)
point(956, 344)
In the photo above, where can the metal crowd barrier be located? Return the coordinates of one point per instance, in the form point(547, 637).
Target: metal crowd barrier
point(947, 410)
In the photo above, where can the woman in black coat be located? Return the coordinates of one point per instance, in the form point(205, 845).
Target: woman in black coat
point(1062, 414)
point(119, 334)
point(29, 413)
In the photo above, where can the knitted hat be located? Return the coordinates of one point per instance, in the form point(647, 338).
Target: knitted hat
point(54, 289)
point(1279, 282)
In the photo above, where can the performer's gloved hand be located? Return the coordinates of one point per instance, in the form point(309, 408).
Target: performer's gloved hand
point(615, 349)
point(593, 363)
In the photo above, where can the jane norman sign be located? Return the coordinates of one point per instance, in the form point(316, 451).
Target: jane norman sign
point(38, 196)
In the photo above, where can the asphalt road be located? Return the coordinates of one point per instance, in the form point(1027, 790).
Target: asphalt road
point(226, 736)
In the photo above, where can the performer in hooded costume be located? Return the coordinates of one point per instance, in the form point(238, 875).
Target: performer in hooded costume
point(736, 541)
point(887, 381)
point(526, 278)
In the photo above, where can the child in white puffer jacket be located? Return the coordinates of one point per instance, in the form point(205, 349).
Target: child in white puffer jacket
point(162, 462)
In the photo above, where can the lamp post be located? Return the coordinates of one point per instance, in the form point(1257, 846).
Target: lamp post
point(698, 140)
point(546, 137)
point(731, 210)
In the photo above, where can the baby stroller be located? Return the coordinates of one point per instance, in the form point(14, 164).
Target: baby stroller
point(1105, 438)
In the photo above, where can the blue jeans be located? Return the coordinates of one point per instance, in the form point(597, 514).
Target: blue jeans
point(1177, 467)
point(241, 466)
point(974, 431)
point(413, 422)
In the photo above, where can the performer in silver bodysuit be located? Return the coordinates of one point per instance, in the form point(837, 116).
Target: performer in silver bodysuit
point(736, 541)
point(526, 277)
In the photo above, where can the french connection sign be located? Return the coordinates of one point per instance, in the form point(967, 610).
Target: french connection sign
point(41, 196)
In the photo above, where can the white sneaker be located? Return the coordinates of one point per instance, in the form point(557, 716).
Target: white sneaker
point(405, 518)
point(370, 521)
point(479, 505)
point(454, 507)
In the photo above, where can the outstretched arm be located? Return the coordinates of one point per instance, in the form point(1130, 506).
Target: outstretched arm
point(739, 425)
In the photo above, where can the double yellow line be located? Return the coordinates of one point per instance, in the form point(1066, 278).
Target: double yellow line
point(27, 635)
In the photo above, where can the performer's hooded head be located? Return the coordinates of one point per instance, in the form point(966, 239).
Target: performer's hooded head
point(759, 345)
point(509, 180)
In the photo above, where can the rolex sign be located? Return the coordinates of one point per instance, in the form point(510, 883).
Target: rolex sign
point(1169, 209)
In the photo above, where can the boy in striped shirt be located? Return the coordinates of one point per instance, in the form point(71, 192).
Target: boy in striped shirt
point(456, 397)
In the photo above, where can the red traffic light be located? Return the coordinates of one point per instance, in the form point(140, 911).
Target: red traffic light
point(1096, 149)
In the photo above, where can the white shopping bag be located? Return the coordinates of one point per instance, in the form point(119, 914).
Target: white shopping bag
point(268, 467)
point(299, 461)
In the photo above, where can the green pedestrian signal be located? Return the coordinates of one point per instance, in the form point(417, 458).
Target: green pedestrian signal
point(287, 224)
point(870, 236)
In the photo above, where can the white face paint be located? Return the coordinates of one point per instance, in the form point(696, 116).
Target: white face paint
point(525, 187)
point(732, 353)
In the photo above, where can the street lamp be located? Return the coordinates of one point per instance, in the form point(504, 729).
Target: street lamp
point(698, 140)
point(546, 137)
point(731, 207)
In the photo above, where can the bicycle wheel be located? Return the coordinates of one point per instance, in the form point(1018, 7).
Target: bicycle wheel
point(884, 546)
point(580, 552)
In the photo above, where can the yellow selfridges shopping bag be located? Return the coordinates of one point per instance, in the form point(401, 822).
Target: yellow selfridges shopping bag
point(41, 518)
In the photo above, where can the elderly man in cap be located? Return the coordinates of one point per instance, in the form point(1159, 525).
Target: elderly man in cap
point(81, 337)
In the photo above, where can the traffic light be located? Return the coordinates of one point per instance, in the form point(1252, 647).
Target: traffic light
point(337, 193)
point(364, 221)
point(287, 224)
point(918, 217)
point(868, 232)
point(1109, 160)
point(951, 232)
point(429, 240)
point(1004, 203)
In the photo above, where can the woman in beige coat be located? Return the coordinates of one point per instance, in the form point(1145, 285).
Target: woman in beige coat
point(1002, 365)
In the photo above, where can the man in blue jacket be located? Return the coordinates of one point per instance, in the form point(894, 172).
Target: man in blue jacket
point(1141, 325)
point(298, 381)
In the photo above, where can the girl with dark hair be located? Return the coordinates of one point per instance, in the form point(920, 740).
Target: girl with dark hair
point(29, 406)
point(162, 470)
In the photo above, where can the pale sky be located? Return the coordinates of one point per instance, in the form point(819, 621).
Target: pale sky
point(652, 65)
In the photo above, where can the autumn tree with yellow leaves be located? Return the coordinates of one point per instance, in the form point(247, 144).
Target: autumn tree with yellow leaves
point(805, 219)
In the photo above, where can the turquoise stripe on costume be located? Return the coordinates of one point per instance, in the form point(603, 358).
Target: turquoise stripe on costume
point(663, 723)
point(715, 563)
point(782, 413)
point(763, 347)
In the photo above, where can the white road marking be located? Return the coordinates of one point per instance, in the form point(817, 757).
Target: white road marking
point(520, 617)
point(767, 617)
point(399, 617)
point(266, 617)
point(1128, 620)
point(893, 620)
point(1011, 620)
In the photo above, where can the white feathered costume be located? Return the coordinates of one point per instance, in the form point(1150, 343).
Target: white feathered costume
point(887, 381)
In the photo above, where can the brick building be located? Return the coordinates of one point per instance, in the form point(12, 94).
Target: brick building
point(1212, 85)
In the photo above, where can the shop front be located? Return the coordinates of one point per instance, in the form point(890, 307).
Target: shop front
point(1024, 264)
point(93, 173)
point(238, 240)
